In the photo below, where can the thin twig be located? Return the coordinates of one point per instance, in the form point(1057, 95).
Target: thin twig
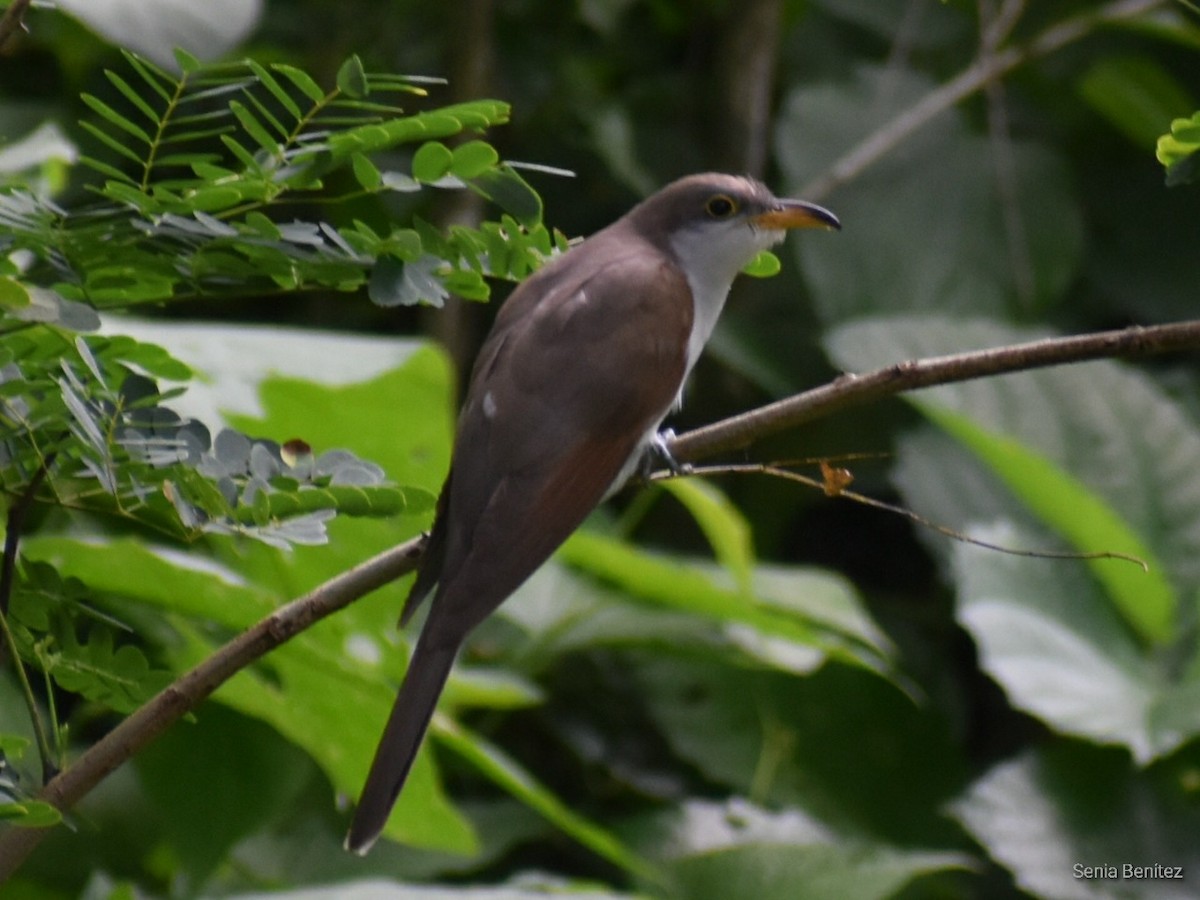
point(778, 470)
point(985, 68)
point(13, 19)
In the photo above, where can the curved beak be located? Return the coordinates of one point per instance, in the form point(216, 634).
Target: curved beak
point(796, 214)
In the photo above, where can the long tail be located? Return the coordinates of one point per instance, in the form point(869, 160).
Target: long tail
point(423, 683)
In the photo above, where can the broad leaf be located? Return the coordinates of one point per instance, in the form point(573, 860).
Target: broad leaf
point(1048, 637)
point(736, 849)
point(1062, 821)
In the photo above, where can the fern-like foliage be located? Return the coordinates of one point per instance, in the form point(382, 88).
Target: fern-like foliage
point(201, 184)
point(196, 168)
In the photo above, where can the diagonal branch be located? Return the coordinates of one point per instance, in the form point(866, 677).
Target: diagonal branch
point(854, 390)
point(987, 67)
point(13, 19)
point(185, 694)
point(191, 689)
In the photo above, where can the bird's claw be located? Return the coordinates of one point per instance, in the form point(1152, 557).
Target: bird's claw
point(660, 448)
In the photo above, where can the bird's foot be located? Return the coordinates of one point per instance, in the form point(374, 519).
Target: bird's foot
point(659, 451)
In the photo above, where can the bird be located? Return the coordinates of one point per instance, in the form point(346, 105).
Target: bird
point(585, 359)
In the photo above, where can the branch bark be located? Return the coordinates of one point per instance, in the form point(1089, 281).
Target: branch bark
point(746, 64)
point(13, 19)
point(854, 390)
point(185, 694)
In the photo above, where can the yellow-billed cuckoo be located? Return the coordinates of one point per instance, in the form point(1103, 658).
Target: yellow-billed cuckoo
point(586, 358)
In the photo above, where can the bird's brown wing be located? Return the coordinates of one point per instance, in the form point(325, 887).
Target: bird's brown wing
point(573, 383)
point(559, 401)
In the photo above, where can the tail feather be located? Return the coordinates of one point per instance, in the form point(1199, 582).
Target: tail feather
point(423, 683)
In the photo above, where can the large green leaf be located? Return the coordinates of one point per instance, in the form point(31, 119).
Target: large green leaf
point(847, 747)
point(793, 628)
point(726, 529)
point(1047, 635)
point(504, 771)
point(527, 886)
point(1076, 821)
point(1135, 93)
point(927, 227)
point(1143, 596)
point(736, 849)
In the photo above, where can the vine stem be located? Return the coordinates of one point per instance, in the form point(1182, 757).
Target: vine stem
point(186, 693)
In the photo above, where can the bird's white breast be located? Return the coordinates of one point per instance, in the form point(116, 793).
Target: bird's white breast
point(711, 262)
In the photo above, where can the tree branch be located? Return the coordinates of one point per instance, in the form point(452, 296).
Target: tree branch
point(854, 390)
point(987, 67)
point(747, 60)
point(13, 19)
point(186, 693)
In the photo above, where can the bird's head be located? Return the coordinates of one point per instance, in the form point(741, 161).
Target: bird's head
point(715, 223)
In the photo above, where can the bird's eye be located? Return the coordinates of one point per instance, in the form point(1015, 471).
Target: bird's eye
point(721, 206)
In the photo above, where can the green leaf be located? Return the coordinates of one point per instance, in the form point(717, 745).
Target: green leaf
point(1059, 821)
point(1179, 149)
point(346, 500)
point(738, 850)
point(267, 80)
point(1144, 598)
point(252, 789)
point(254, 128)
point(505, 187)
point(786, 634)
point(431, 161)
point(1112, 428)
point(1050, 639)
point(727, 531)
point(895, 217)
point(13, 294)
point(1136, 94)
point(764, 265)
point(504, 771)
point(113, 117)
point(843, 745)
point(244, 156)
point(441, 123)
point(302, 80)
point(472, 158)
point(30, 814)
point(366, 173)
point(352, 78)
point(285, 133)
point(186, 62)
point(151, 75)
point(132, 96)
point(112, 144)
